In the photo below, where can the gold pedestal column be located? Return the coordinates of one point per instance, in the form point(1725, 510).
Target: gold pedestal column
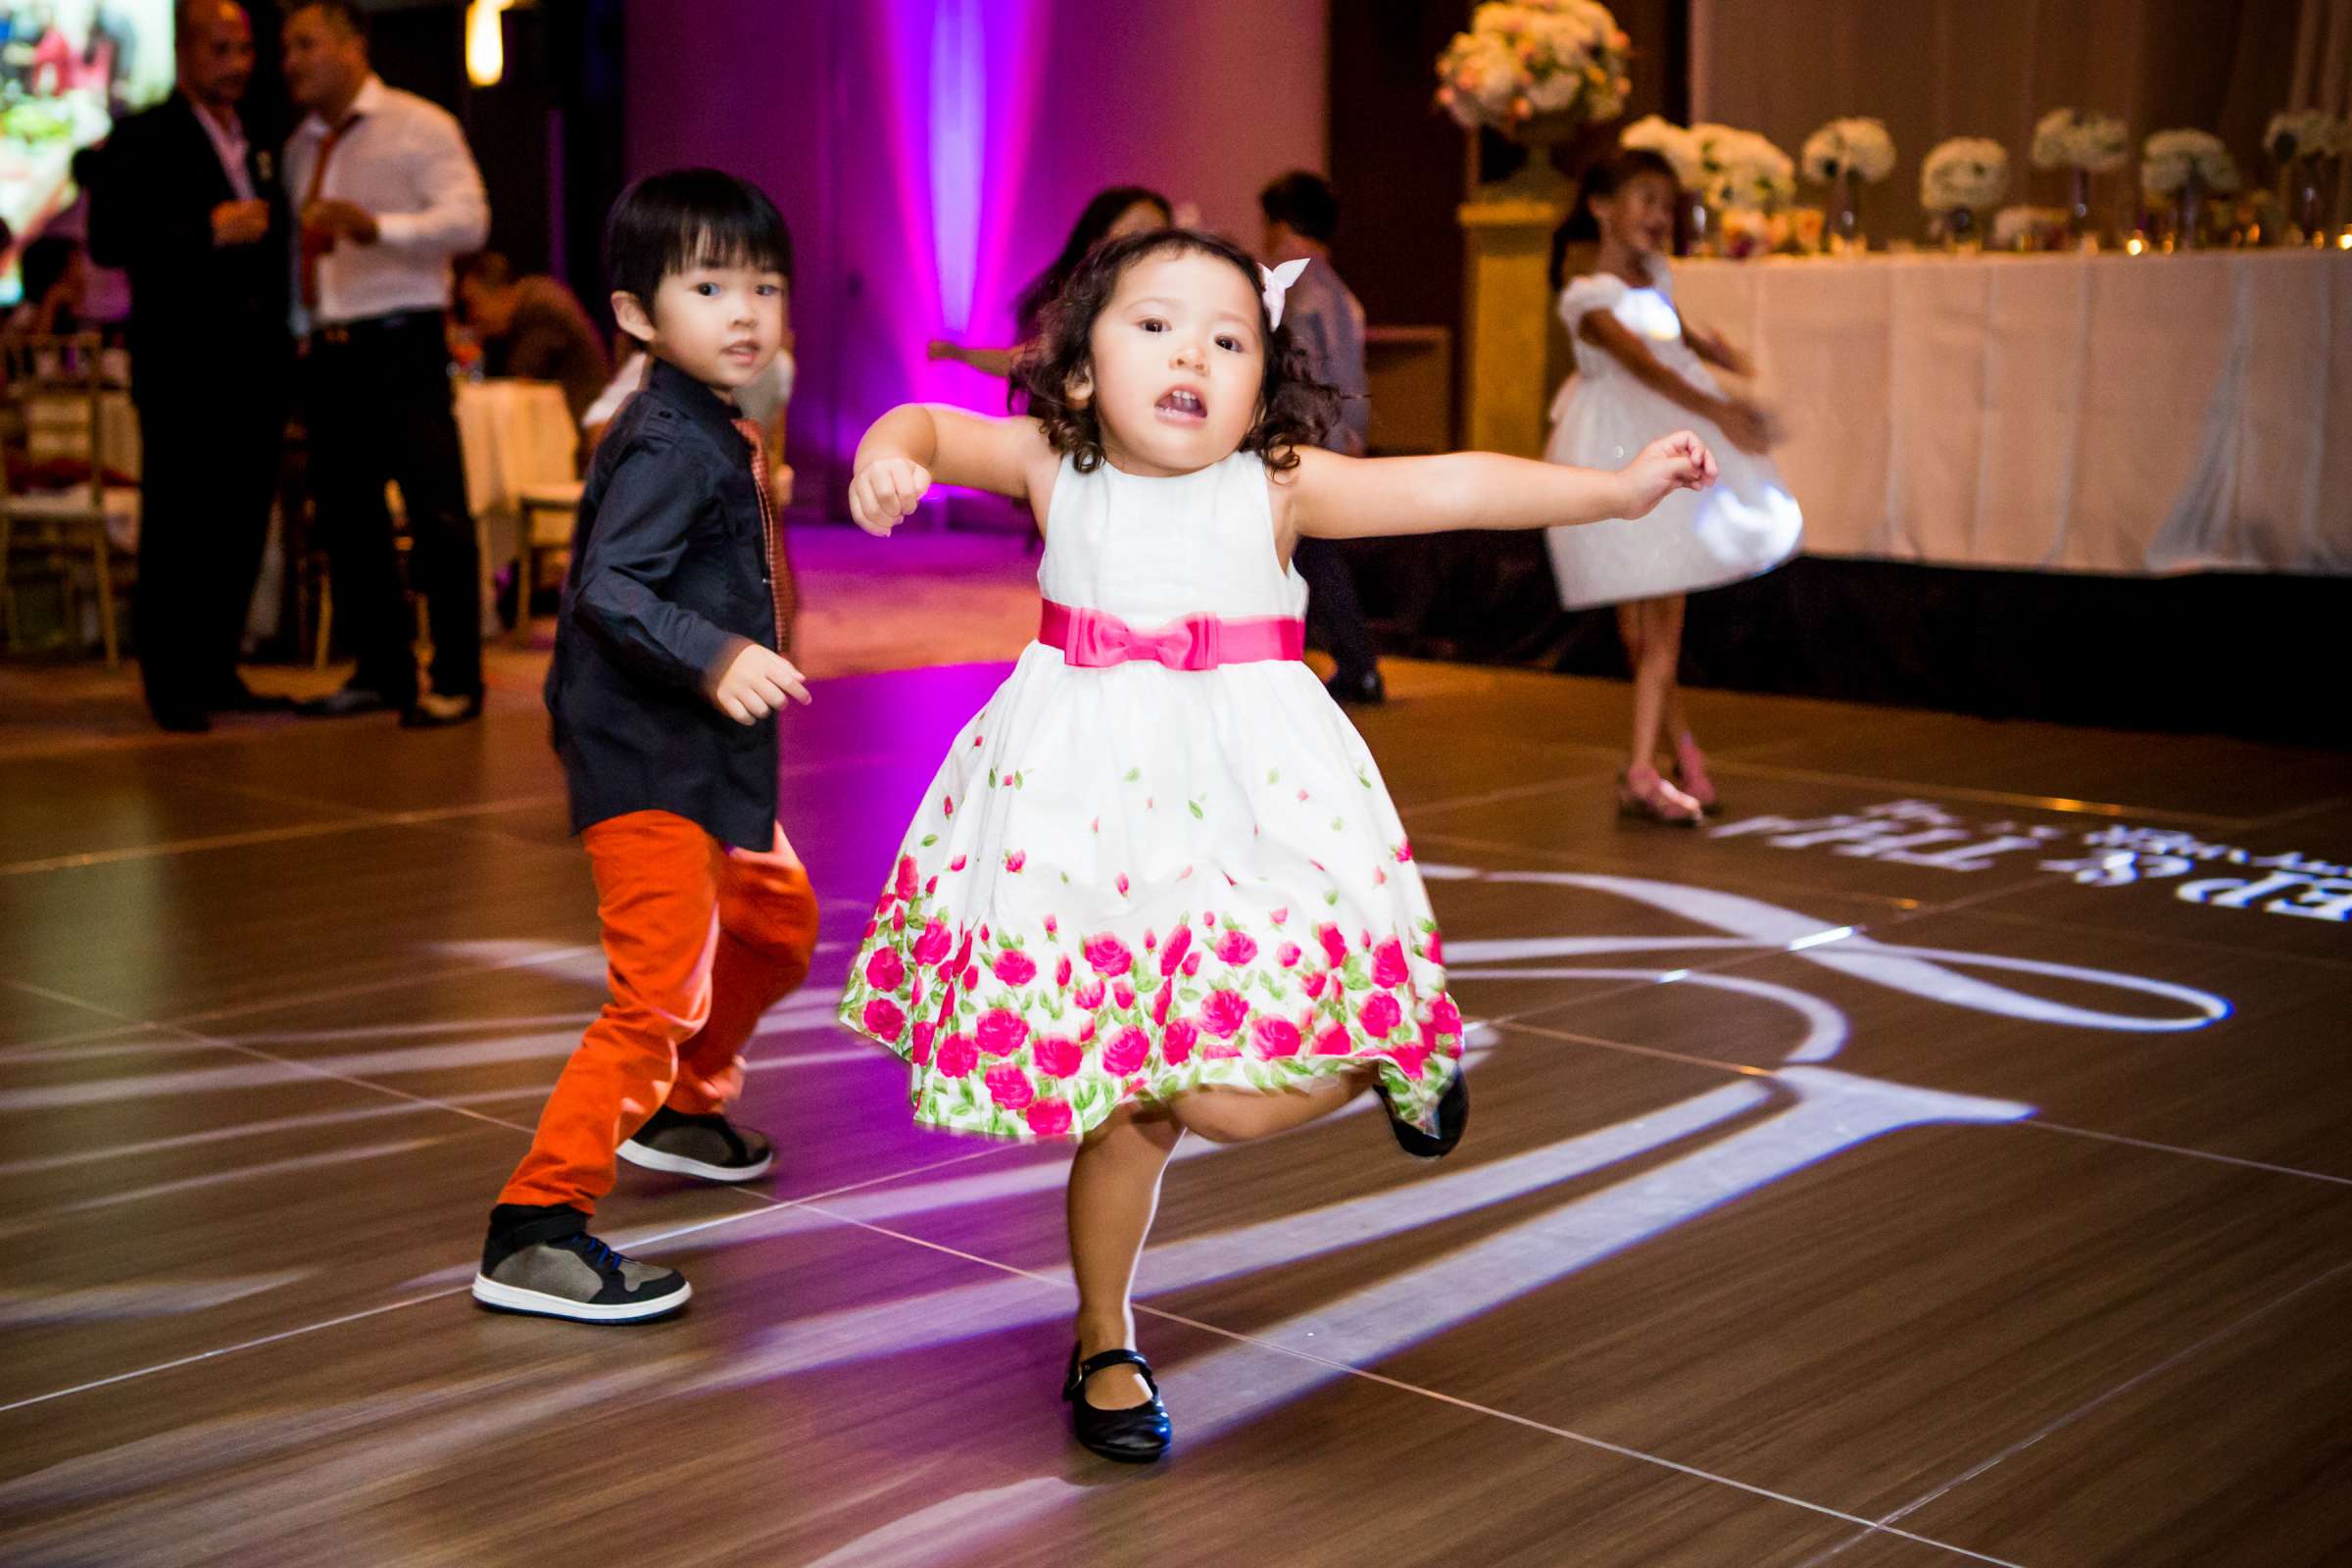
point(1506, 315)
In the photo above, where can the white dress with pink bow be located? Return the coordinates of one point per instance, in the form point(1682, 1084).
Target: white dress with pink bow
point(1159, 859)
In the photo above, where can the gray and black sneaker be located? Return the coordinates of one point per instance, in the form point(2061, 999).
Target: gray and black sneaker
point(710, 1146)
point(543, 1262)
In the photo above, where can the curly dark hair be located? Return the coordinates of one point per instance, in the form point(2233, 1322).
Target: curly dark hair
point(1294, 409)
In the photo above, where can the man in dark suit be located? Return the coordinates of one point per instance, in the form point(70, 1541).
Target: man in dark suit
point(194, 214)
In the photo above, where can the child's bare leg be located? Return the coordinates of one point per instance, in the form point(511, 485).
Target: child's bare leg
point(1629, 632)
point(1690, 763)
point(1652, 629)
point(1653, 650)
point(1114, 1191)
point(1239, 1115)
point(1665, 632)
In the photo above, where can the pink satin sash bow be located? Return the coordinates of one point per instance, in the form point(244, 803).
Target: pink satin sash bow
point(1089, 639)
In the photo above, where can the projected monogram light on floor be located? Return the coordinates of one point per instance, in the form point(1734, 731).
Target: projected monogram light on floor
point(1923, 833)
point(1680, 1162)
point(1620, 1186)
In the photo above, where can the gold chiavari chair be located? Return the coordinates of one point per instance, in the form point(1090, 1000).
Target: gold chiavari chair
point(59, 517)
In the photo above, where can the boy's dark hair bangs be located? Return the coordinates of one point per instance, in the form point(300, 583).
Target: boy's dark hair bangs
point(672, 222)
point(1294, 409)
point(762, 247)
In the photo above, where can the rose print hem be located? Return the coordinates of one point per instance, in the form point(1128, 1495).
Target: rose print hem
point(1040, 1034)
point(969, 1105)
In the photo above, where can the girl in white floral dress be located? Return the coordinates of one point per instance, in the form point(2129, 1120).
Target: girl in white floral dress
point(1157, 886)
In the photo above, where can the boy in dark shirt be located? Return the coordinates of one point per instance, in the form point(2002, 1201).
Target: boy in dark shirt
point(663, 690)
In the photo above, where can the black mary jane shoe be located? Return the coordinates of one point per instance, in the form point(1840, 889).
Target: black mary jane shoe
point(1453, 1117)
point(1134, 1435)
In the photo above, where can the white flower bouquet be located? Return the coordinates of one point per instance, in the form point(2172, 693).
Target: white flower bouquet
point(1523, 68)
point(2306, 133)
point(1742, 168)
point(2171, 158)
point(1670, 141)
point(1967, 174)
point(2081, 138)
point(1854, 146)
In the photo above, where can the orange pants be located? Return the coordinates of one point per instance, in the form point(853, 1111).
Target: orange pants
point(700, 940)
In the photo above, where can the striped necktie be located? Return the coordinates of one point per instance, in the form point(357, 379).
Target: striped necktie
point(315, 246)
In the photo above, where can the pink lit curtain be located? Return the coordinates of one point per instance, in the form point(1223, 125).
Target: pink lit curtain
point(1933, 69)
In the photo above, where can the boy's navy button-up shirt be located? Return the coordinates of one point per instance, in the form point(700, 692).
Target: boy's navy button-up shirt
point(668, 568)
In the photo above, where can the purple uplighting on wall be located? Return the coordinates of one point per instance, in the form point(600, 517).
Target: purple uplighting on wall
point(959, 101)
point(967, 92)
point(931, 155)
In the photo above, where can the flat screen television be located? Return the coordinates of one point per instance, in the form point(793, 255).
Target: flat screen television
point(68, 68)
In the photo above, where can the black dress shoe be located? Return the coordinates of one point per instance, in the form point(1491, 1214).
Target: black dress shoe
point(1367, 690)
point(432, 711)
point(1134, 1435)
point(243, 699)
point(182, 720)
point(344, 704)
point(1453, 1116)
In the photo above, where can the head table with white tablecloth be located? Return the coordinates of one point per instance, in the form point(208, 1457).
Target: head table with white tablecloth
point(2065, 413)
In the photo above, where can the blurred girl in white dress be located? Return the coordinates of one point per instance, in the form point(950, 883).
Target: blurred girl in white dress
point(1641, 373)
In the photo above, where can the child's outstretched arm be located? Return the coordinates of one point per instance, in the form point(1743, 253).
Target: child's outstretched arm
point(1332, 497)
point(916, 444)
point(1717, 350)
point(998, 363)
point(1747, 425)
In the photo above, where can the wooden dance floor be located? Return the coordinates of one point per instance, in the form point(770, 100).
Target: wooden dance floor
point(1946, 1159)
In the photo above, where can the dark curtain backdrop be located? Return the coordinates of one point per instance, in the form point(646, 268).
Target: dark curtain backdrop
point(547, 136)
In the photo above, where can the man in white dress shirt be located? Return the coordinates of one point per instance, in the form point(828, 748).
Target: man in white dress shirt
point(385, 193)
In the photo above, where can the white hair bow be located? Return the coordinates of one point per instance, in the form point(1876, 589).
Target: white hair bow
point(1276, 282)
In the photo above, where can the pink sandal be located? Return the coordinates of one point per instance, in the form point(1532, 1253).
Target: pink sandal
point(1691, 774)
point(1641, 793)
